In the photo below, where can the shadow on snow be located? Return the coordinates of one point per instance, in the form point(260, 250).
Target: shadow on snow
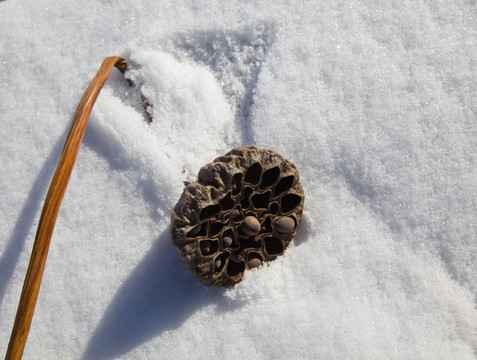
point(236, 59)
point(26, 219)
point(159, 295)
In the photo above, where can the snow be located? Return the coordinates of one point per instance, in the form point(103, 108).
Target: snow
point(375, 102)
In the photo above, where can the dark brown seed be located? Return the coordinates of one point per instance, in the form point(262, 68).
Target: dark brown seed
point(250, 226)
point(206, 246)
point(284, 225)
point(253, 263)
point(234, 214)
point(195, 230)
point(226, 241)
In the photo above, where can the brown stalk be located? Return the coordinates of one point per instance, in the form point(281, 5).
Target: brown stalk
point(31, 285)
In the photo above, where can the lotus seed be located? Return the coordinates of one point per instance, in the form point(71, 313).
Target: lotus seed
point(234, 214)
point(253, 263)
point(250, 226)
point(195, 230)
point(227, 241)
point(285, 225)
point(206, 246)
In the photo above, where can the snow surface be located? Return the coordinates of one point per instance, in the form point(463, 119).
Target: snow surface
point(376, 104)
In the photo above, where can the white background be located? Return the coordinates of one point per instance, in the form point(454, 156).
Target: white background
point(376, 104)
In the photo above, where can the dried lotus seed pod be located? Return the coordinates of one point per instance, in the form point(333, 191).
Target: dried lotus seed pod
point(243, 210)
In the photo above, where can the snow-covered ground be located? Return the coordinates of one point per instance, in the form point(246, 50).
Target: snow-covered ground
point(374, 101)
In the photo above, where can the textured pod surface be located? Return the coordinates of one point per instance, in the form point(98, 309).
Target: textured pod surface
point(244, 209)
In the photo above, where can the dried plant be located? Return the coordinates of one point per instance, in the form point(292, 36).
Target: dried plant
point(244, 209)
point(31, 285)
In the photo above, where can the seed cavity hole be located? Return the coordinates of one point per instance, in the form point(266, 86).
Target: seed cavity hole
point(215, 228)
point(270, 177)
point(273, 246)
point(284, 185)
point(274, 208)
point(236, 184)
point(219, 262)
point(253, 174)
point(250, 243)
point(210, 211)
point(261, 201)
point(236, 215)
point(290, 202)
point(235, 268)
point(247, 191)
point(198, 230)
point(228, 239)
point(227, 203)
point(267, 226)
point(254, 260)
point(208, 247)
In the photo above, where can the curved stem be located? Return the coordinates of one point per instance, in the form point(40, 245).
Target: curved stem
point(51, 207)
